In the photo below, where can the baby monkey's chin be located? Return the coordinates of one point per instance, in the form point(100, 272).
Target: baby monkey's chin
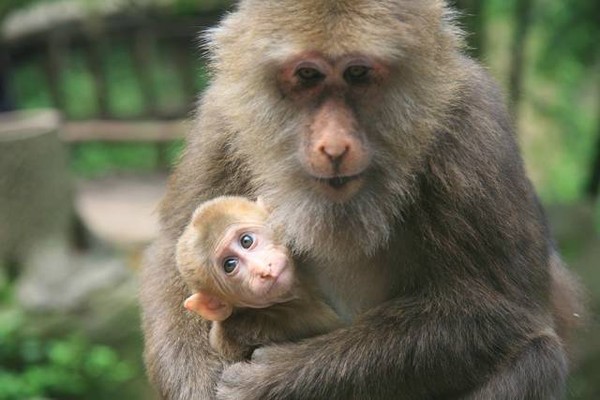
point(282, 290)
point(279, 299)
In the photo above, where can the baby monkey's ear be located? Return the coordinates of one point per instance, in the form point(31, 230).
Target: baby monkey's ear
point(208, 306)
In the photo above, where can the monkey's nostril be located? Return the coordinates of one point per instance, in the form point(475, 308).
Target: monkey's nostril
point(334, 153)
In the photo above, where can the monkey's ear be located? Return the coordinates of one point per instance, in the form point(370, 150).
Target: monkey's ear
point(208, 306)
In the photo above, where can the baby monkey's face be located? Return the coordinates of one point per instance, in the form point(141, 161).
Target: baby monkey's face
point(254, 268)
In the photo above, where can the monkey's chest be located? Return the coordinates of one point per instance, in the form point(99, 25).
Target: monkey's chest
point(352, 288)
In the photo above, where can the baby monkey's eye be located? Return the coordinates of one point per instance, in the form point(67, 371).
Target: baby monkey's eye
point(247, 241)
point(230, 264)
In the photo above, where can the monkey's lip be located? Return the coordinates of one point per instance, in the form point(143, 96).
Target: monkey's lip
point(281, 284)
point(338, 182)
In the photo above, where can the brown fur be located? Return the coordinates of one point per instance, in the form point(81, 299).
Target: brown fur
point(442, 260)
point(247, 329)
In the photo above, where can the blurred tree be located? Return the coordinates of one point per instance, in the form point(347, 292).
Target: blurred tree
point(572, 53)
point(522, 18)
point(592, 189)
point(8, 5)
point(6, 103)
point(473, 20)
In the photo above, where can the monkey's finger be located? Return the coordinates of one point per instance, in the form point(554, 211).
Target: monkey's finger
point(265, 355)
point(234, 382)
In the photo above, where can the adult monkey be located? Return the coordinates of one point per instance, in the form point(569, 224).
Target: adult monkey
point(389, 158)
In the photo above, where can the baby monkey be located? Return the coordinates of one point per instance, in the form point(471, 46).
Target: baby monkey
point(245, 281)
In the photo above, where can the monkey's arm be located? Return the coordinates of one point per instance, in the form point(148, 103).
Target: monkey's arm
point(179, 361)
point(411, 349)
point(236, 337)
point(231, 341)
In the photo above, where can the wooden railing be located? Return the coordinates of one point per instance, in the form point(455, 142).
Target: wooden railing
point(52, 50)
point(143, 35)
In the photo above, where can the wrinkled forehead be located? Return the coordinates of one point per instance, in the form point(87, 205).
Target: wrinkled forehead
point(334, 41)
point(381, 29)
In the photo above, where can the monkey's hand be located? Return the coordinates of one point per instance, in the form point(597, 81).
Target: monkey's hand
point(251, 380)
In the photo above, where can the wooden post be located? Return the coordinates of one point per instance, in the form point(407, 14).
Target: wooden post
point(56, 55)
point(143, 47)
point(95, 55)
point(6, 103)
point(183, 55)
point(35, 205)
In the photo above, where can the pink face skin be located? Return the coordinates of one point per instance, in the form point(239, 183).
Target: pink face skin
point(335, 151)
point(255, 271)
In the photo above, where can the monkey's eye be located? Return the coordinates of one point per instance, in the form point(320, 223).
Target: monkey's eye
point(309, 74)
point(230, 264)
point(357, 73)
point(247, 241)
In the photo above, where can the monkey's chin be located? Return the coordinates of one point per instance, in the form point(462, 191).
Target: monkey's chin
point(340, 189)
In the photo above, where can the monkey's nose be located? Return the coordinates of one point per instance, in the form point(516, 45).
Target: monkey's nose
point(266, 273)
point(335, 153)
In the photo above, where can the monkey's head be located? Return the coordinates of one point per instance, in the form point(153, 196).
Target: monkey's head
point(229, 258)
point(348, 94)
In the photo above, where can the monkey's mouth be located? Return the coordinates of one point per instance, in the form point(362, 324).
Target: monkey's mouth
point(338, 182)
point(340, 189)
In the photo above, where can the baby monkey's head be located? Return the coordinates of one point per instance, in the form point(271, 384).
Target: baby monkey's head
point(229, 257)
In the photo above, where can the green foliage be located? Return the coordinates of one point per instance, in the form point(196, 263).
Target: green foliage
point(66, 368)
point(30, 87)
point(78, 87)
point(177, 7)
point(576, 140)
point(8, 5)
point(96, 159)
point(35, 367)
point(125, 96)
point(5, 288)
point(195, 6)
point(125, 100)
point(574, 33)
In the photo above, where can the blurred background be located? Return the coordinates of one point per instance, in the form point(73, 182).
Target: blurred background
point(94, 95)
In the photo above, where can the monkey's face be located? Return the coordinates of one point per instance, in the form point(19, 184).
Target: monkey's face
point(253, 270)
point(334, 94)
point(334, 147)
